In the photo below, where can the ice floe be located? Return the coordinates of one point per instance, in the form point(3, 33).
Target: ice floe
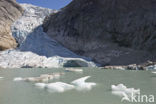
point(18, 79)
point(154, 72)
point(74, 70)
point(78, 84)
point(59, 87)
point(41, 78)
point(124, 92)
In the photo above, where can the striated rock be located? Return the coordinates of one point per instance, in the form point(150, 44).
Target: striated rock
point(9, 12)
point(112, 32)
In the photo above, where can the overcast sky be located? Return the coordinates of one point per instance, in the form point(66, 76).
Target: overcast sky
point(53, 4)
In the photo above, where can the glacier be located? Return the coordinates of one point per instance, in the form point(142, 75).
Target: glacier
point(35, 48)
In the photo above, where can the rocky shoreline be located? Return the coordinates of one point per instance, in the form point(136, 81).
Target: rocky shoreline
point(149, 65)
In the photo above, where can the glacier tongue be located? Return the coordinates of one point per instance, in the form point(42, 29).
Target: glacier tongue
point(36, 49)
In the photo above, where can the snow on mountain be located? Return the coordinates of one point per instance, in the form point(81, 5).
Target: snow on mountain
point(36, 49)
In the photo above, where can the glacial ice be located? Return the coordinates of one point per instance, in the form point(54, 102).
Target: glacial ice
point(60, 87)
point(81, 85)
point(122, 91)
point(154, 72)
point(17, 79)
point(36, 49)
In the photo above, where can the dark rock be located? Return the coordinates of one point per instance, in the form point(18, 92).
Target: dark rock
point(115, 32)
point(132, 66)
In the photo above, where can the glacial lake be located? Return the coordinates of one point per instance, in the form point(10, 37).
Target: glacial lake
point(26, 93)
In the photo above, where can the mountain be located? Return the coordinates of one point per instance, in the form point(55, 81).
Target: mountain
point(111, 32)
point(9, 12)
point(35, 47)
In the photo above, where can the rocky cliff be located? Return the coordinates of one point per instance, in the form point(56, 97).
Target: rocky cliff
point(9, 12)
point(114, 32)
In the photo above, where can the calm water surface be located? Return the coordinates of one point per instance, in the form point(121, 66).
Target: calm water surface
point(26, 93)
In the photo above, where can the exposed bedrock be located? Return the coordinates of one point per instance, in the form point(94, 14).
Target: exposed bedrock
point(9, 12)
point(111, 32)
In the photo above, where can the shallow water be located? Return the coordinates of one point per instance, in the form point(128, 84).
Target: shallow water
point(26, 93)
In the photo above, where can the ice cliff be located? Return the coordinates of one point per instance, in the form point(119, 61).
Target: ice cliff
point(35, 48)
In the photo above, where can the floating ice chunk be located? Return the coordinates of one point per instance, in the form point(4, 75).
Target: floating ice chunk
point(57, 75)
point(52, 76)
point(41, 78)
point(40, 85)
point(59, 87)
point(74, 70)
point(1, 77)
point(154, 72)
point(122, 91)
point(119, 87)
point(36, 79)
point(121, 94)
point(18, 79)
point(80, 80)
point(123, 88)
point(152, 67)
point(55, 88)
point(66, 86)
point(82, 85)
point(130, 91)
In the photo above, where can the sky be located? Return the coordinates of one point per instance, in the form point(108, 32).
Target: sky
point(53, 4)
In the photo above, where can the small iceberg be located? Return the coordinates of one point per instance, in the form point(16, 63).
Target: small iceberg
point(40, 85)
point(82, 85)
point(121, 94)
point(152, 67)
point(59, 87)
point(122, 91)
point(74, 70)
point(1, 77)
point(55, 87)
point(154, 72)
point(41, 78)
point(18, 79)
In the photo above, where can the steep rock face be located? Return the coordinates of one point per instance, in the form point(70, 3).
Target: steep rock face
point(109, 31)
point(9, 12)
